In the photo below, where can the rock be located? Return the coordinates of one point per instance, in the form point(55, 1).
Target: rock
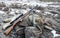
point(54, 12)
point(20, 31)
point(5, 9)
point(57, 37)
point(5, 26)
point(53, 23)
point(2, 4)
point(7, 20)
point(33, 18)
point(17, 12)
point(40, 8)
point(32, 32)
point(48, 27)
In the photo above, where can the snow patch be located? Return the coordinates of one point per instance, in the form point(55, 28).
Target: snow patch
point(54, 33)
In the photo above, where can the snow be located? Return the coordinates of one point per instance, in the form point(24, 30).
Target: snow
point(5, 25)
point(12, 13)
point(24, 11)
point(54, 33)
point(2, 12)
point(54, 5)
point(38, 11)
point(46, 13)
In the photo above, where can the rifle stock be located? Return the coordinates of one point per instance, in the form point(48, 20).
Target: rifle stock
point(7, 31)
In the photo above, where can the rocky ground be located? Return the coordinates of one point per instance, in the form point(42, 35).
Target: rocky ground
point(29, 28)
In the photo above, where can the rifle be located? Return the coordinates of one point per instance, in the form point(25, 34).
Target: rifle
point(12, 21)
point(7, 31)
